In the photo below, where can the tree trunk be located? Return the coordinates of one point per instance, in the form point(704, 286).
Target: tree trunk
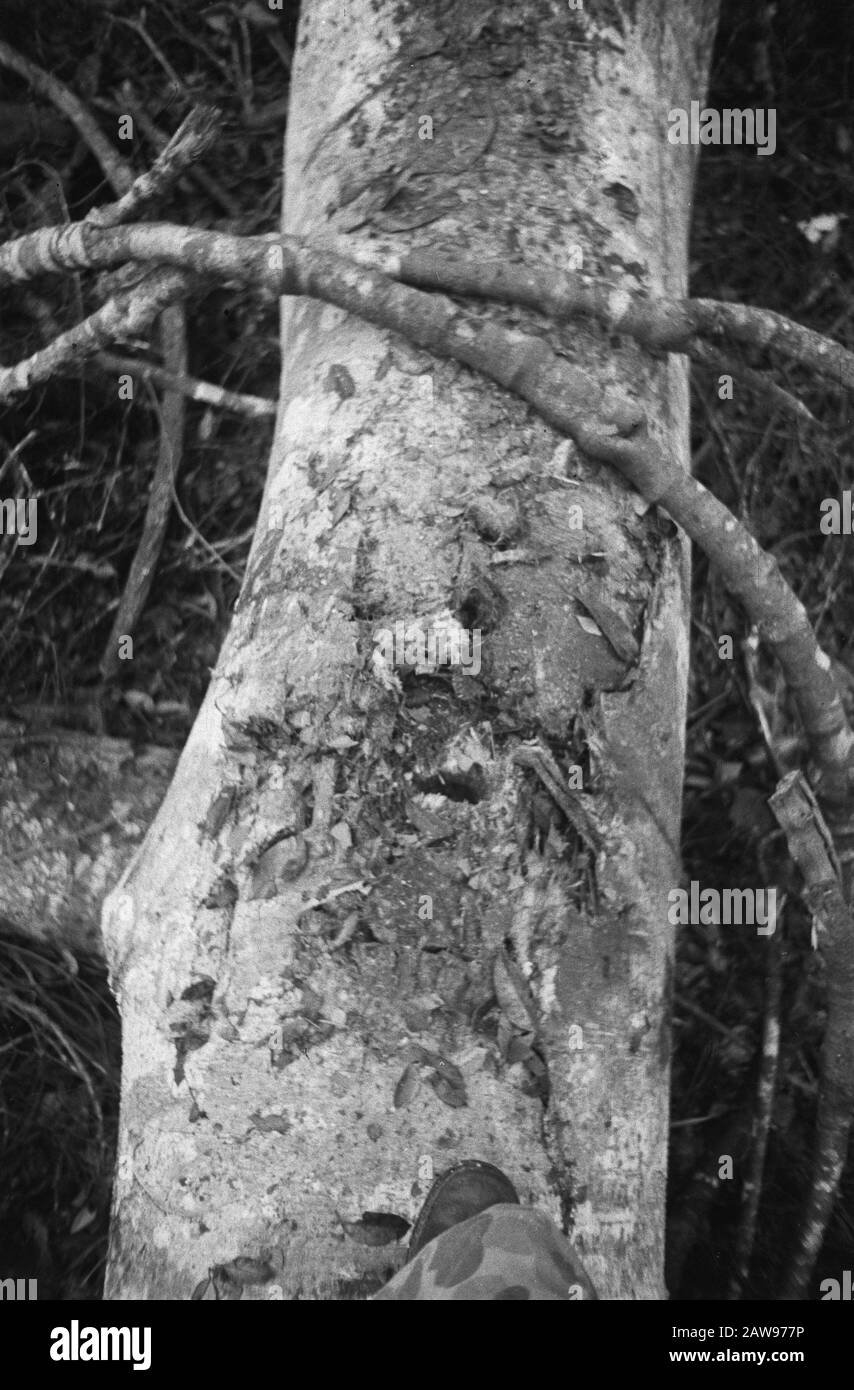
point(367, 935)
point(73, 809)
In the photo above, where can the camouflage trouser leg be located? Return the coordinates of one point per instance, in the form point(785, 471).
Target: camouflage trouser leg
point(507, 1252)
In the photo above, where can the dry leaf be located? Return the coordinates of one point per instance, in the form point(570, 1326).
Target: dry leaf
point(513, 993)
point(448, 1092)
point(270, 1124)
point(449, 1070)
point(406, 1086)
point(341, 507)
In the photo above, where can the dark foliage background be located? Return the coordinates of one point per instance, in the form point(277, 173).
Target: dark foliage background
point(89, 459)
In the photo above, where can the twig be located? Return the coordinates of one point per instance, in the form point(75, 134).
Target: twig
point(156, 52)
point(537, 759)
point(255, 407)
point(358, 885)
point(705, 355)
point(158, 139)
point(766, 1084)
point(193, 137)
point(173, 329)
point(123, 318)
point(16, 450)
point(749, 652)
point(212, 550)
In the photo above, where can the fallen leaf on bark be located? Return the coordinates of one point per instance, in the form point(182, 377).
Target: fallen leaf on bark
point(271, 1124)
point(514, 995)
point(448, 1092)
point(406, 1086)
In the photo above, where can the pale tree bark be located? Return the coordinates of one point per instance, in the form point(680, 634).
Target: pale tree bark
point(357, 876)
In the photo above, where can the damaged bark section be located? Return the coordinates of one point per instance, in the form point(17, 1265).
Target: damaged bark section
point(387, 919)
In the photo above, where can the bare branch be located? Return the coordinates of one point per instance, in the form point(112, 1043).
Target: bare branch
point(605, 424)
point(194, 135)
point(241, 403)
point(122, 319)
point(665, 325)
point(173, 331)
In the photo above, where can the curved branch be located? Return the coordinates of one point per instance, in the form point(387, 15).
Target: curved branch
point(606, 425)
point(240, 402)
point(665, 325)
point(718, 360)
